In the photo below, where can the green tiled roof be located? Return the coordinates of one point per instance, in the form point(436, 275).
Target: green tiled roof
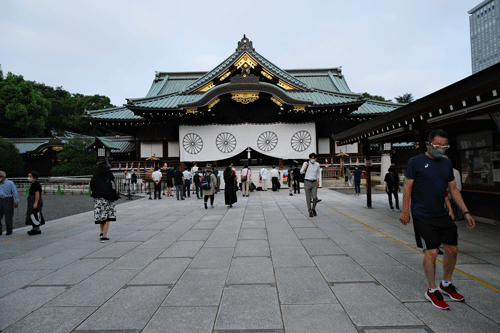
point(233, 57)
point(118, 113)
point(373, 107)
point(321, 82)
point(279, 71)
point(169, 101)
point(25, 147)
point(108, 143)
point(322, 98)
point(340, 83)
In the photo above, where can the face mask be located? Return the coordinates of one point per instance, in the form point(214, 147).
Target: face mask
point(313, 161)
point(30, 179)
point(437, 153)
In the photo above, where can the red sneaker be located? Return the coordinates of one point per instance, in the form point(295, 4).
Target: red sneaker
point(451, 291)
point(436, 299)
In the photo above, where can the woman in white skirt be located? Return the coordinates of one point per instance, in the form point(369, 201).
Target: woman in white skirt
point(103, 189)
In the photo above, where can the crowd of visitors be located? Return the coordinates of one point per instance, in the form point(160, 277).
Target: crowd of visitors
point(431, 185)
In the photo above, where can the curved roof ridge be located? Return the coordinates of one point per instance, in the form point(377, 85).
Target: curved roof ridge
point(106, 110)
point(287, 76)
point(219, 68)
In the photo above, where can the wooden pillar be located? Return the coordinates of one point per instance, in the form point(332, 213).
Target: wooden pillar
point(367, 154)
point(422, 139)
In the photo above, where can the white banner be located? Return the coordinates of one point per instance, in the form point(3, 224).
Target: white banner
point(218, 142)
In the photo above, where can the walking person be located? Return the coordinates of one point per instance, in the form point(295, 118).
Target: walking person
point(9, 199)
point(229, 187)
point(296, 179)
point(156, 176)
point(290, 179)
point(275, 177)
point(197, 184)
point(311, 171)
point(103, 189)
point(210, 192)
point(263, 178)
point(178, 181)
point(428, 176)
point(392, 187)
point(169, 175)
point(357, 180)
point(187, 183)
point(34, 216)
point(246, 177)
point(133, 178)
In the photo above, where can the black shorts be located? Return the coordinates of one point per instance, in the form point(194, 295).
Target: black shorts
point(431, 232)
point(169, 183)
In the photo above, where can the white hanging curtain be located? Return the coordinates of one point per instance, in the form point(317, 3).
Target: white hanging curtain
point(218, 142)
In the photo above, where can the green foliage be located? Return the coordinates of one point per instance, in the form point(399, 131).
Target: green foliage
point(1, 73)
point(406, 98)
point(75, 159)
point(68, 110)
point(23, 110)
point(376, 97)
point(10, 160)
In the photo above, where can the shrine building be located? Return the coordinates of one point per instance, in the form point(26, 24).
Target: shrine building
point(245, 110)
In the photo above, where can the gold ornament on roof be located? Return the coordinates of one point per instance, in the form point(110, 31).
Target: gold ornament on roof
point(57, 148)
point(286, 86)
point(299, 107)
point(206, 87)
point(267, 74)
point(212, 103)
point(245, 97)
point(193, 110)
point(277, 101)
point(224, 75)
point(245, 59)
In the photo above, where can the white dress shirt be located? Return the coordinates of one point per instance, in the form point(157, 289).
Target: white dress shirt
point(156, 176)
point(313, 170)
point(263, 173)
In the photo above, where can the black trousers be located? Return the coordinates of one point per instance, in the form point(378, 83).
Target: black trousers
point(390, 194)
point(296, 186)
point(205, 199)
point(158, 189)
point(275, 183)
point(7, 209)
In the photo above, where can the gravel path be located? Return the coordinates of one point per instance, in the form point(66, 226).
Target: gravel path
point(55, 207)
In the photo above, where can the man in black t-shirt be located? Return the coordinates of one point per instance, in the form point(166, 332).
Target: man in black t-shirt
point(391, 181)
point(357, 180)
point(178, 181)
point(169, 176)
point(428, 176)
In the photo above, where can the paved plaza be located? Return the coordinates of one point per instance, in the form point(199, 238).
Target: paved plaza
point(262, 266)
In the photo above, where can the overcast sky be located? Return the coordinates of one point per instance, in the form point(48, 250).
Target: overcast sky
point(113, 48)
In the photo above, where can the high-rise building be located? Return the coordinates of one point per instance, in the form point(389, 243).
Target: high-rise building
point(484, 23)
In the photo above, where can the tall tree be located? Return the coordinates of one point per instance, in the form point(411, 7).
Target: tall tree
point(1, 73)
point(406, 98)
point(376, 97)
point(23, 110)
point(75, 158)
point(10, 160)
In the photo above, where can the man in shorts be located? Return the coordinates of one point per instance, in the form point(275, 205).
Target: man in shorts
point(428, 176)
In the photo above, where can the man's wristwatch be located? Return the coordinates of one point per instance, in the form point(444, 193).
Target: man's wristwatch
point(465, 213)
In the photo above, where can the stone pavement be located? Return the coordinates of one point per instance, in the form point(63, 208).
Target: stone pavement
point(262, 266)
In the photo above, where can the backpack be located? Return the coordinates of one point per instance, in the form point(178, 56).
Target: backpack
point(196, 177)
point(205, 183)
point(244, 178)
